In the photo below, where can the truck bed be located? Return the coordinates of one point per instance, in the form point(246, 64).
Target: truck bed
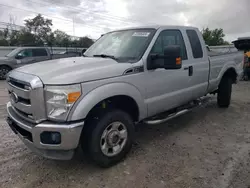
point(219, 61)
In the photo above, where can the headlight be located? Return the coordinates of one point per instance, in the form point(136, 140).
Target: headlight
point(60, 99)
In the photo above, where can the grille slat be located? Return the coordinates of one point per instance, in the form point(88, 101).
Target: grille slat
point(19, 91)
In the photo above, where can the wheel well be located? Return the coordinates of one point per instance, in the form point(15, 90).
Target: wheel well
point(231, 73)
point(6, 66)
point(122, 102)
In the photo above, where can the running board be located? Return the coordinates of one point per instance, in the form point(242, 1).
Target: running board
point(191, 106)
point(171, 116)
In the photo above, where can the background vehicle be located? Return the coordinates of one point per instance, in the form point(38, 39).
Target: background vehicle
point(70, 53)
point(243, 44)
point(27, 55)
point(144, 74)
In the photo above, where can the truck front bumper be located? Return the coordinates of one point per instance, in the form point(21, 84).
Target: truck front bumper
point(30, 134)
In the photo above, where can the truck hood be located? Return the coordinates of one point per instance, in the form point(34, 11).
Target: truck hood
point(75, 69)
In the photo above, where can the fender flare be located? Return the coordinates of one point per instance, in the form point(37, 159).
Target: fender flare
point(81, 109)
point(225, 69)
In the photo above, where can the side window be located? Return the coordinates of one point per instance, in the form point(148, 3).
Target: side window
point(26, 53)
point(169, 37)
point(39, 52)
point(195, 43)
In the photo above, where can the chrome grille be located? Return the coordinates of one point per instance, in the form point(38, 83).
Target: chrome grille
point(27, 96)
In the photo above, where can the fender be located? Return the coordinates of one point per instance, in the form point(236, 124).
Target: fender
point(237, 67)
point(87, 102)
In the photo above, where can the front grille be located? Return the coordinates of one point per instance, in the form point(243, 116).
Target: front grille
point(26, 96)
point(22, 100)
point(16, 84)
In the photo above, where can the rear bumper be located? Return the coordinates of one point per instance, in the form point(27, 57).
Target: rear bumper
point(30, 134)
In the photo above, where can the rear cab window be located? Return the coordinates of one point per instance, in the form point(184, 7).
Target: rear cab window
point(39, 52)
point(195, 43)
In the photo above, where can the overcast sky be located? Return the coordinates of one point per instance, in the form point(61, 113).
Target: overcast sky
point(94, 17)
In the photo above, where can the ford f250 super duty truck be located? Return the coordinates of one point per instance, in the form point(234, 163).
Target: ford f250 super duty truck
point(145, 74)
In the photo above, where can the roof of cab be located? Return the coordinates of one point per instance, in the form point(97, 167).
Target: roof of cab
point(156, 27)
point(32, 47)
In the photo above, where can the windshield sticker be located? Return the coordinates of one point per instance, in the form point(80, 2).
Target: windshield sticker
point(141, 34)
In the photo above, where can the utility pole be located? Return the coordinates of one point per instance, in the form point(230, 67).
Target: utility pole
point(74, 26)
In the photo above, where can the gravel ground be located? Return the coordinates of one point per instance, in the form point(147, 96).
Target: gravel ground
point(208, 147)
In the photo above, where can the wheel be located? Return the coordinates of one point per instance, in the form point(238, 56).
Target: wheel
point(110, 137)
point(224, 92)
point(4, 71)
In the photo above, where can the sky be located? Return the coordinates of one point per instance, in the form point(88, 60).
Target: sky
point(95, 17)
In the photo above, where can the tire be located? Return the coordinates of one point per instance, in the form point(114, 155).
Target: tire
point(224, 92)
point(4, 70)
point(101, 133)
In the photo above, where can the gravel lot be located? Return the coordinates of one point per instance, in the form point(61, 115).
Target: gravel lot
point(209, 147)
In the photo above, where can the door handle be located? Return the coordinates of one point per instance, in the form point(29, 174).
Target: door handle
point(190, 70)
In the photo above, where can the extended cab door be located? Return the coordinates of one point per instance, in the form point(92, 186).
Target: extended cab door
point(167, 89)
point(198, 81)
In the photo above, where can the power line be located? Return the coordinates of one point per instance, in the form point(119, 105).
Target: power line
point(116, 17)
point(86, 25)
point(100, 14)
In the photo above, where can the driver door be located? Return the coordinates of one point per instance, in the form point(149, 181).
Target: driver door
point(25, 57)
point(166, 88)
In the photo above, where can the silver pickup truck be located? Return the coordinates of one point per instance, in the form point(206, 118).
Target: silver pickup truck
point(27, 55)
point(145, 74)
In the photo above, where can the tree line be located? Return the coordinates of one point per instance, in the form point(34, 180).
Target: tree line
point(214, 37)
point(38, 32)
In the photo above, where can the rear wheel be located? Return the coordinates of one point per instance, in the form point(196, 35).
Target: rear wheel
point(224, 92)
point(4, 70)
point(110, 137)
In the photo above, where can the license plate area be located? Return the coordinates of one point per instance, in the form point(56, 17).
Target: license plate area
point(16, 129)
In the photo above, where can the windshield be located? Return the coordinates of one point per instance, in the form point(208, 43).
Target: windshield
point(13, 53)
point(124, 46)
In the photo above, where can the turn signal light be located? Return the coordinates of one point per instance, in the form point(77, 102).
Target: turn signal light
point(178, 61)
point(72, 97)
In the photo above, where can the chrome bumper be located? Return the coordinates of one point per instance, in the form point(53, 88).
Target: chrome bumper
point(30, 134)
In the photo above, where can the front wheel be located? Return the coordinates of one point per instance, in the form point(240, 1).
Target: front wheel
point(224, 92)
point(4, 70)
point(110, 137)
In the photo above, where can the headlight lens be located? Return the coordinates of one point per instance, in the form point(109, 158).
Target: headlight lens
point(60, 99)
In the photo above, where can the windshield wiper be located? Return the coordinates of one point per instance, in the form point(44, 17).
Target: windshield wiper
point(105, 56)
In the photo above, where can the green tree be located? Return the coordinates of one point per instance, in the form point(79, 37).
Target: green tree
point(84, 42)
point(37, 31)
point(214, 37)
point(28, 39)
point(61, 38)
point(40, 27)
point(3, 37)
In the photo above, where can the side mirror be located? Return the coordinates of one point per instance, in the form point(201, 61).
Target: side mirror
point(19, 56)
point(170, 60)
point(83, 51)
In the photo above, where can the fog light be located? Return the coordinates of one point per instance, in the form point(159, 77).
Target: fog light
point(50, 137)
